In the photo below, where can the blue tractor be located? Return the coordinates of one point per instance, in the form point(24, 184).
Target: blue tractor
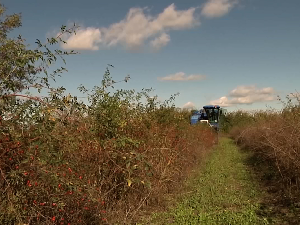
point(195, 117)
point(210, 114)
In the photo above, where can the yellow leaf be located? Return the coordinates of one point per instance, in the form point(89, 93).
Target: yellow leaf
point(129, 182)
point(68, 97)
point(123, 124)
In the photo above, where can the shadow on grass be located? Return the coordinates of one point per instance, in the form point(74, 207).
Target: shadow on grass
point(280, 202)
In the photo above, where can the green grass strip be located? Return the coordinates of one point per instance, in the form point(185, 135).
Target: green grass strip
point(224, 193)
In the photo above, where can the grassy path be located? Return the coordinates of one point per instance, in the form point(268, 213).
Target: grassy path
point(224, 193)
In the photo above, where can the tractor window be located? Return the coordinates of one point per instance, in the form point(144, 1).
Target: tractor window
point(213, 115)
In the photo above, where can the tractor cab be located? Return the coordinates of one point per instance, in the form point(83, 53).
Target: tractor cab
point(213, 115)
point(210, 114)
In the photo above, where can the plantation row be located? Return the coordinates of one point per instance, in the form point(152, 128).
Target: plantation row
point(65, 162)
point(274, 137)
point(82, 171)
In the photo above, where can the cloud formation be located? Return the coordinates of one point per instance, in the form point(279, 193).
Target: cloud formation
point(217, 8)
point(181, 76)
point(85, 39)
point(135, 30)
point(189, 105)
point(244, 91)
point(160, 41)
point(246, 95)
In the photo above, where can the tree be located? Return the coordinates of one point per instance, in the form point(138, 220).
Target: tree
point(22, 68)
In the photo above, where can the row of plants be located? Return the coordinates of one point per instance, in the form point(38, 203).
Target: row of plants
point(274, 138)
point(63, 161)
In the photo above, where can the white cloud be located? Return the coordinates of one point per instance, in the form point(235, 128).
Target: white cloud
point(223, 102)
point(244, 91)
point(138, 27)
point(85, 39)
point(189, 105)
point(246, 95)
point(181, 76)
point(135, 30)
point(217, 8)
point(160, 41)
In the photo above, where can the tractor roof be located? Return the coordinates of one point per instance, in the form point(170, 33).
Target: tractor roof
point(211, 107)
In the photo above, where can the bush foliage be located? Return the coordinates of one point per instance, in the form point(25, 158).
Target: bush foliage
point(274, 137)
point(66, 162)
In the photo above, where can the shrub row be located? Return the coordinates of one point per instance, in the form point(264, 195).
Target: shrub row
point(275, 138)
point(63, 161)
point(84, 170)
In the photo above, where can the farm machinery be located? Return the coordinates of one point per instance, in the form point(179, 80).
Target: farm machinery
point(209, 114)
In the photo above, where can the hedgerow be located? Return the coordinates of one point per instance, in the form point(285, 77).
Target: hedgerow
point(64, 161)
point(274, 138)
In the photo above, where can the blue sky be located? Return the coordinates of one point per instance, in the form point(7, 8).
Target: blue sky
point(237, 53)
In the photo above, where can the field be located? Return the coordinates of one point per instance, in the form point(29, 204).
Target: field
point(119, 155)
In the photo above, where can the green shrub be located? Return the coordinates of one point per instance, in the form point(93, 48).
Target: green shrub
point(66, 162)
